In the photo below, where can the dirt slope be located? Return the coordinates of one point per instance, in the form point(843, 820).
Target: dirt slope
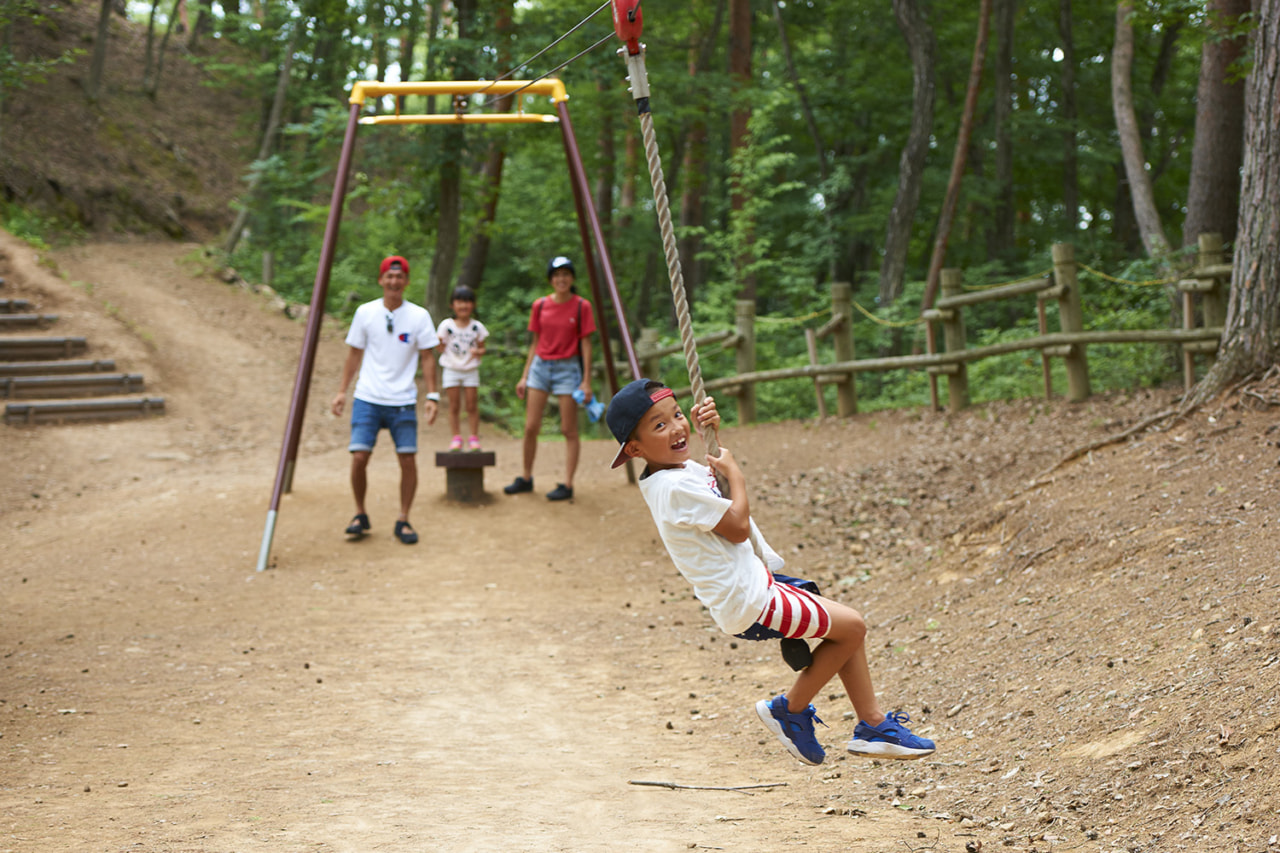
point(1096, 654)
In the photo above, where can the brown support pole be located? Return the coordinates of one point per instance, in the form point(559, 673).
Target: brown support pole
point(588, 221)
point(315, 316)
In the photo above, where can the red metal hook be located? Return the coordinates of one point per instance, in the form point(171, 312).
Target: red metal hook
point(628, 23)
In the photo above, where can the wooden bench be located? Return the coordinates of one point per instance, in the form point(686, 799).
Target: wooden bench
point(464, 473)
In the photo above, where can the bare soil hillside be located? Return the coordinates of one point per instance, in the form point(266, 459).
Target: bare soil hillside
point(1094, 646)
point(127, 162)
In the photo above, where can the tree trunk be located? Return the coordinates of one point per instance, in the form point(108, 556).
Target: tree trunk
point(152, 90)
point(1000, 242)
point(267, 144)
point(693, 188)
point(1251, 339)
point(203, 25)
point(921, 45)
point(1135, 165)
point(740, 74)
point(148, 64)
point(943, 234)
point(472, 272)
point(448, 226)
point(99, 61)
point(1218, 150)
point(1070, 145)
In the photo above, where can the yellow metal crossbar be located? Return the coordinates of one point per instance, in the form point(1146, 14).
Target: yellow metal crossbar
point(550, 87)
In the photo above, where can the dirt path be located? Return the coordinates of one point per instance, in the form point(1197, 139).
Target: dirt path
point(495, 688)
point(1097, 655)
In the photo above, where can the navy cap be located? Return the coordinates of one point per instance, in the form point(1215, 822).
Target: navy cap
point(627, 408)
point(560, 262)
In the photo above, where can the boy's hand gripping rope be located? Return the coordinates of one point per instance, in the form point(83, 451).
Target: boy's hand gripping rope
point(628, 23)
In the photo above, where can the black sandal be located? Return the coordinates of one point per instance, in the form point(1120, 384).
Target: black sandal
point(359, 525)
point(405, 533)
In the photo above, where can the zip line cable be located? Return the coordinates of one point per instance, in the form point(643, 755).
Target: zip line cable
point(568, 61)
point(571, 31)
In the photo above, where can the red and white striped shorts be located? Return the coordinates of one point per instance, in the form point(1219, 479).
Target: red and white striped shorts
point(795, 613)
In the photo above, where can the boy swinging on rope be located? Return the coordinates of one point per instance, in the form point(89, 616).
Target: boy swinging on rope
point(718, 548)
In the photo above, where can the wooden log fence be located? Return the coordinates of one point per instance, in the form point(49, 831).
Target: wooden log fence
point(1208, 280)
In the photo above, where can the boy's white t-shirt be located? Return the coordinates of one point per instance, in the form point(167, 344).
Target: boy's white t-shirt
point(390, 357)
point(458, 341)
point(729, 578)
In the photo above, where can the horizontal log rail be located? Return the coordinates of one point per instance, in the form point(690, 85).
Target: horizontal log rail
point(899, 362)
point(1018, 288)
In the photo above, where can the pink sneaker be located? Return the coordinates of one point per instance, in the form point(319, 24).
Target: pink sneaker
point(456, 444)
point(473, 443)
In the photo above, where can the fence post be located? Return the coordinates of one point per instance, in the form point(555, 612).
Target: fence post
point(1071, 319)
point(650, 366)
point(744, 315)
point(953, 339)
point(842, 306)
point(1214, 300)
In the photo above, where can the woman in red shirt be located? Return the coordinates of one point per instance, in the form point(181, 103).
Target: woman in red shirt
point(559, 363)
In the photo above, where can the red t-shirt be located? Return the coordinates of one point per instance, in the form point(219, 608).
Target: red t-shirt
point(557, 328)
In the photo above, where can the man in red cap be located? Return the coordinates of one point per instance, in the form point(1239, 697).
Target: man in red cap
point(386, 340)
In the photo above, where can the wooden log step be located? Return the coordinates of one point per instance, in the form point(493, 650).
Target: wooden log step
point(26, 321)
point(13, 349)
point(14, 306)
point(110, 409)
point(73, 385)
point(47, 368)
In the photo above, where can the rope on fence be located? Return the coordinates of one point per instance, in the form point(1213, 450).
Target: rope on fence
point(1148, 283)
point(791, 320)
point(1035, 277)
point(897, 324)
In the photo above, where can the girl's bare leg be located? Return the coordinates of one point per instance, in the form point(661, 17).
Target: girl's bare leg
point(455, 405)
point(473, 410)
point(535, 403)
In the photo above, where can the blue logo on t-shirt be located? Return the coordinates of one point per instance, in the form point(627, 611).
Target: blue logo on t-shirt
point(403, 337)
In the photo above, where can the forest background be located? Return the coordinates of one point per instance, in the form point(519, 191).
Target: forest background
point(803, 143)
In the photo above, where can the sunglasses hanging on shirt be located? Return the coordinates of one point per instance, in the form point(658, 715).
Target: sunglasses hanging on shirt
point(390, 324)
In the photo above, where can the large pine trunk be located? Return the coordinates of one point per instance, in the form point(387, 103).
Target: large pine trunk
point(1214, 191)
point(921, 45)
point(1251, 339)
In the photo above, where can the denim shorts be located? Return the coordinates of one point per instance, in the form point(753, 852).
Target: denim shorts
point(368, 418)
point(558, 376)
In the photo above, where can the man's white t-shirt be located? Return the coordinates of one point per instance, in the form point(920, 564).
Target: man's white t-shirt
point(390, 357)
point(458, 341)
point(729, 578)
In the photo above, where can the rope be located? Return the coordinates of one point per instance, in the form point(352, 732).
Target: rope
point(897, 324)
point(792, 320)
point(673, 269)
point(1149, 282)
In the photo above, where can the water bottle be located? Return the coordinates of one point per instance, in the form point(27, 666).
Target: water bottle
point(594, 409)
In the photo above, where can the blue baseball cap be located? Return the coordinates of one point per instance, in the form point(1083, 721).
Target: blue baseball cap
point(627, 408)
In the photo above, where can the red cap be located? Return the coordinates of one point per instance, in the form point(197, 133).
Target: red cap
point(393, 259)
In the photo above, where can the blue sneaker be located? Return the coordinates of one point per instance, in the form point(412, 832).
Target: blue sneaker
point(890, 739)
point(794, 730)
